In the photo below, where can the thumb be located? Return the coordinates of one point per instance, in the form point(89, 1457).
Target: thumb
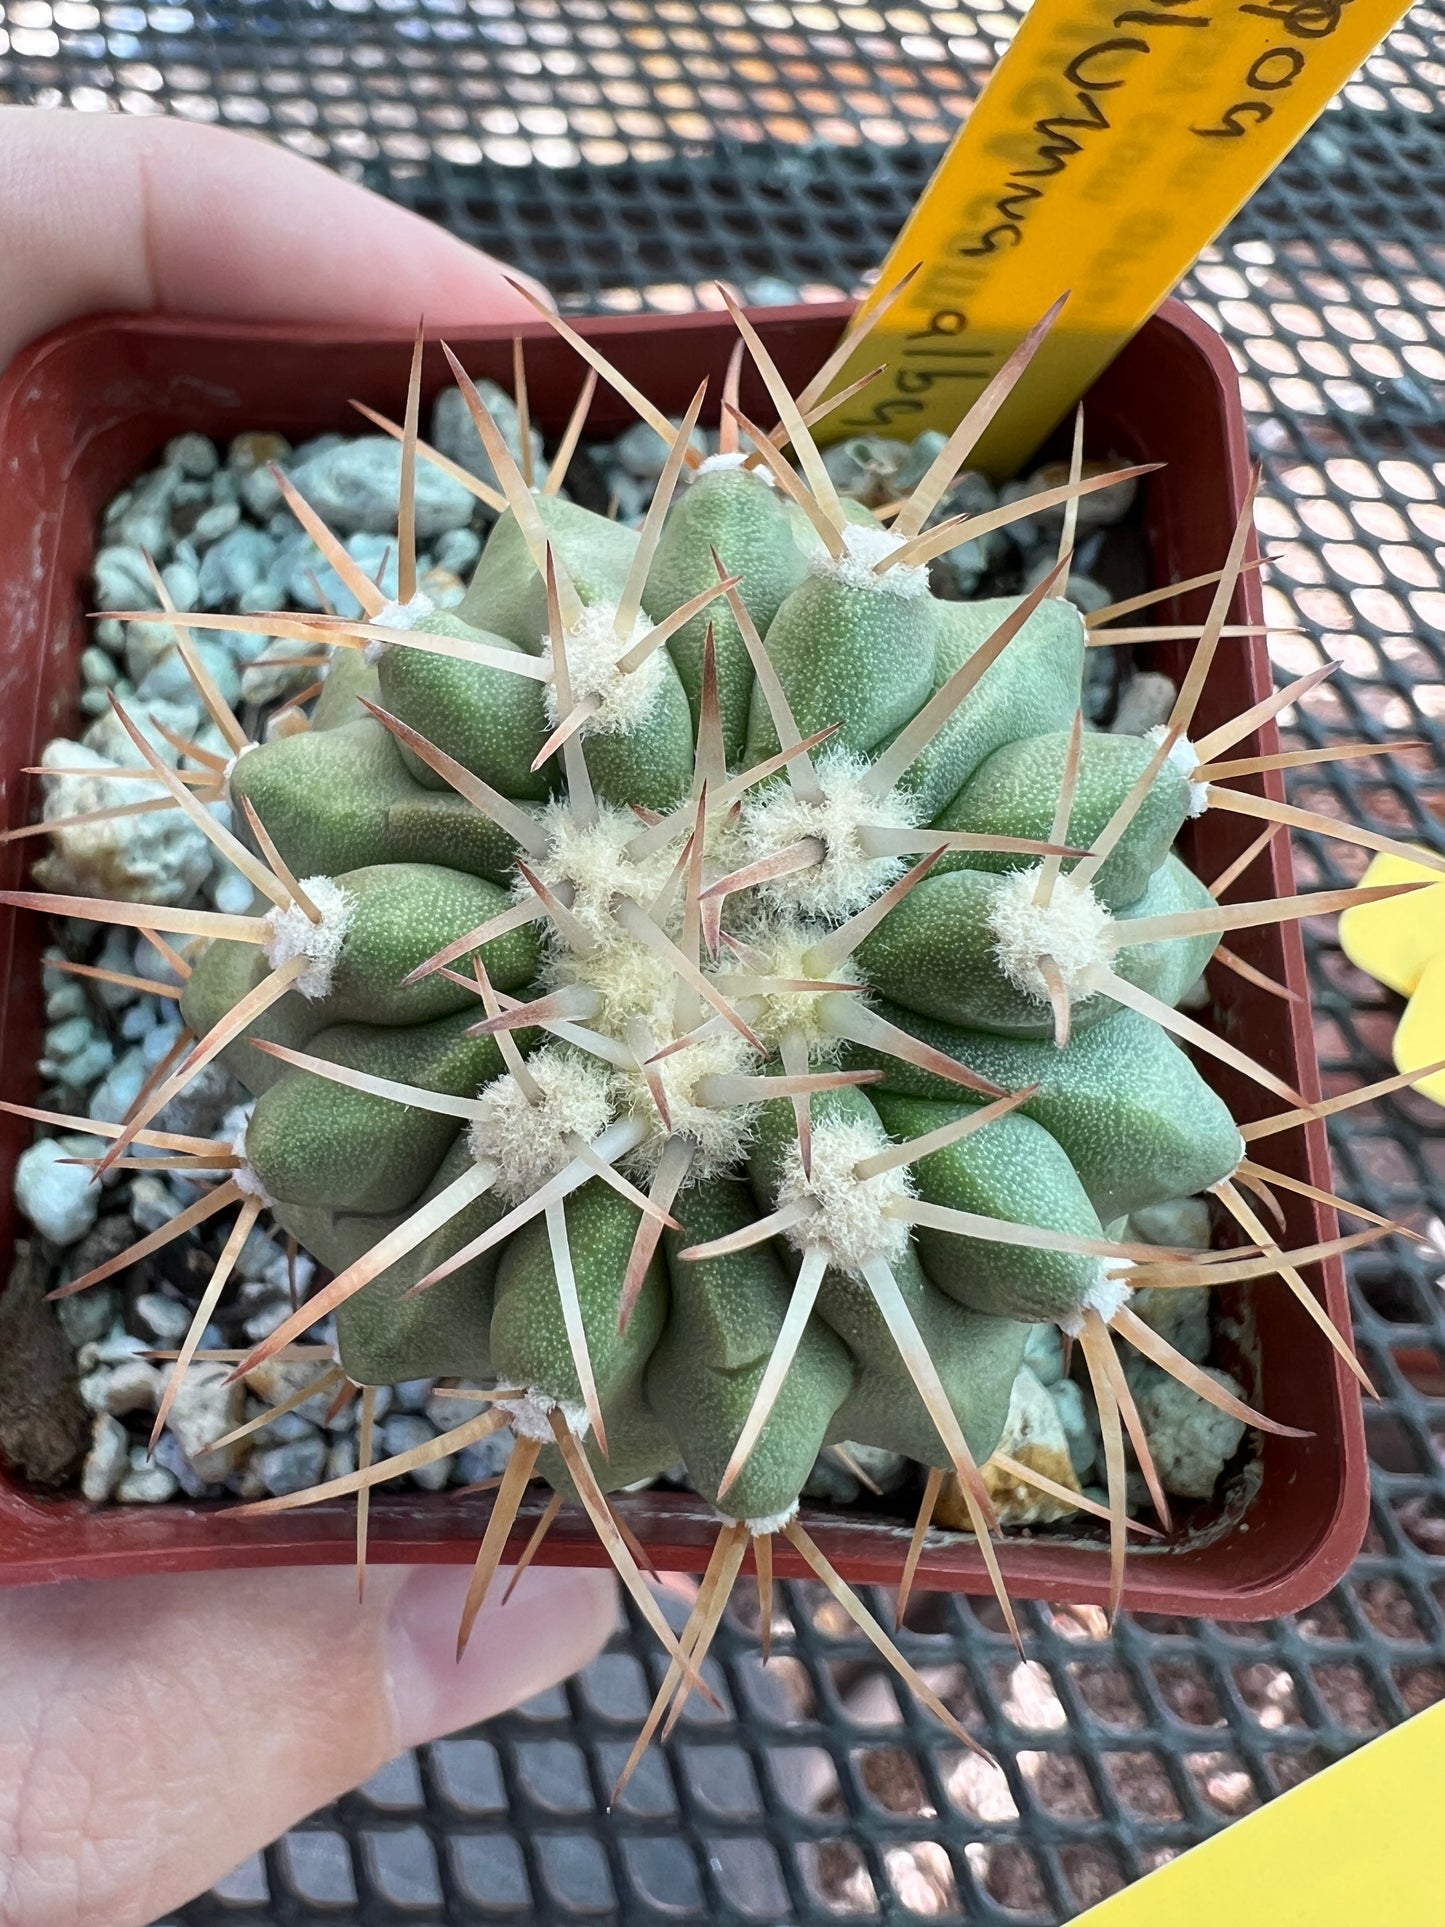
point(153, 1732)
point(102, 211)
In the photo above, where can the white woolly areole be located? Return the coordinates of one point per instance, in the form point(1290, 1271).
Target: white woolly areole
point(635, 985)
point(783, 945)
point(625, 700)
point(1185, 758)
point(244, 1175)
point(593, 862)
point(865, 543)
point(770, 1522)
point(732, 458)
point(1106, 1296)
point(397, 615)
point(852, 1226)
point(291, 933)
point(527, 1142)
point(1073, 929)
point(531, 1417)
point(848, 878)
point(719, 1134)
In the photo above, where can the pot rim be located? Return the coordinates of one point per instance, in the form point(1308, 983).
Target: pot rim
point(91, 368)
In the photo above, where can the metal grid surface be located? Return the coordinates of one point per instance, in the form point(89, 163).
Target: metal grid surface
point(627, 153)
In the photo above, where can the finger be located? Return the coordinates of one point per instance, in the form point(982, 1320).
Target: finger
point(154, 1732)
point(101, 211)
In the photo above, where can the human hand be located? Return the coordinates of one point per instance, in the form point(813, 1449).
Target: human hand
point(101, 211)
point(153, 1732)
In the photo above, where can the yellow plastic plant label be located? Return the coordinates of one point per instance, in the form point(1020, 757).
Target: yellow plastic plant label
point(1113, 142)
point(1395, 939)
point(1400, 942)
point(1353, 1847)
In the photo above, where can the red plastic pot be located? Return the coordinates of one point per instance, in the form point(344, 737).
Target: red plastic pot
point(85, 409)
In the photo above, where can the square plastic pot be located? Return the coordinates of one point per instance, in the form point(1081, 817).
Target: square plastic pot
point(86, 409)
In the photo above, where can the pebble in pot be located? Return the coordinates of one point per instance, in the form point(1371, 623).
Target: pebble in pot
point(59, 1197)
point(355, 488)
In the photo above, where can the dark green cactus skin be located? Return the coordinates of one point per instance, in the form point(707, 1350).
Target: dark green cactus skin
point(1119, 1085)
point(403, 912)
point(1120, 1119)
point(734, 512)
point(1031, 691)
point(352, 801)
point(529, 1344)
point(653, 767)
point(1012, 1170)
point(1012, 794)
point(386, 1337)
point(977, 1358)
point(705, 1373)
point(323, 1144)
point(865, 661)
point(482, 717)
point(508, 597)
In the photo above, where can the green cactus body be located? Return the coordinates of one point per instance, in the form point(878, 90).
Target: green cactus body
point(1135, 1118)
point(774, 1146)
point(1030, 691)
point(976, 1357)
point(638, 1449)
point(491, 723)
point(884, 1406)
point(439, 827)
point(392, 914)
point(385, 1336)
point(859, 656)
point(529, 1341)
point(1012, 793)
point(1013, 1171)
point(339, 798)
point(317, 1143)
point(226, 973)
point(669, 1017)
point(725, 1317)
point(938, 953)
point(650, 764)
point(1168, 966)
point(738, 513)
point(507, 596)
point(399, 912)
point(639, 737)
point(351, 679)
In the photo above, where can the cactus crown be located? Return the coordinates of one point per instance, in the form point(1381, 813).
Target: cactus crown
point(714, 991)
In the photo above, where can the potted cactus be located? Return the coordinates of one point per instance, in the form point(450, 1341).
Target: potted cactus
point(713, 997)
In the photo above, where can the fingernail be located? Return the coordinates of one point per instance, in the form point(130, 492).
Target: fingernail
point(554, 1622)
